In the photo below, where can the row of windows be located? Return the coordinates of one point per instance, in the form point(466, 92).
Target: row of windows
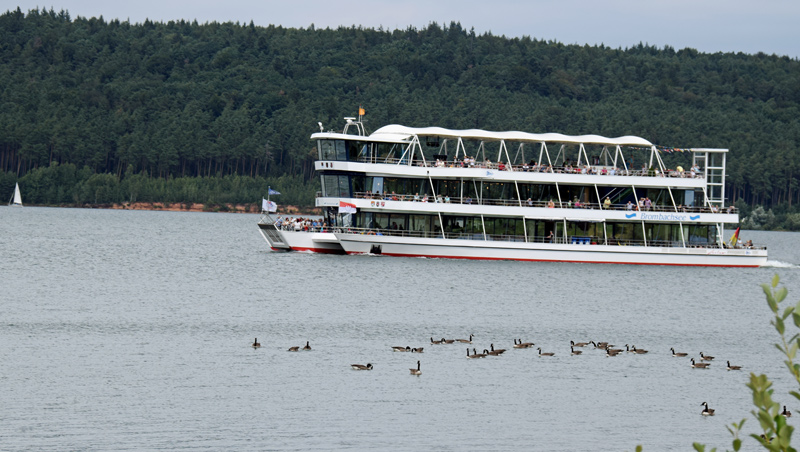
point(537, 229)
point(343, 186)
point(358, 151)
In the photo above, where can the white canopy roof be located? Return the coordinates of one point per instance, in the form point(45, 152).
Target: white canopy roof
point(403, 132)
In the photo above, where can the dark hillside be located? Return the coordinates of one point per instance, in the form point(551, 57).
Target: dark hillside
point(188, 100)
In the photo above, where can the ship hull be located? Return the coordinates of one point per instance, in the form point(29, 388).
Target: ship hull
point(317, 242)
point(548, 252)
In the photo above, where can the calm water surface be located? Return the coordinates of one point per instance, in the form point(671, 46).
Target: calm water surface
point(129, 330)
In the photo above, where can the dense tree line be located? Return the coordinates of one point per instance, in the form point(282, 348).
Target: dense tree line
point(204, 101)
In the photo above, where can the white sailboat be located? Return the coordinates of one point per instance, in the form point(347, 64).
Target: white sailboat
point(17, 199)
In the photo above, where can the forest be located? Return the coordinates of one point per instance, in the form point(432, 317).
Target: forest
point(95, 111)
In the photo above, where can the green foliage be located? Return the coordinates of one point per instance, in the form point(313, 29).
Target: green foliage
point(65, 184)
point(180, 99)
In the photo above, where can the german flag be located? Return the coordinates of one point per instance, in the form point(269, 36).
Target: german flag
point(735, 237)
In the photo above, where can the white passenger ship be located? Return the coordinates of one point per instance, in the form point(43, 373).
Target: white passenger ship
point(475, 194)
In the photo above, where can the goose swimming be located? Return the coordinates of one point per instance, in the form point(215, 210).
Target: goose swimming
point(678, 355)
point(699, 365)
point(466, 341)
point(734, 367)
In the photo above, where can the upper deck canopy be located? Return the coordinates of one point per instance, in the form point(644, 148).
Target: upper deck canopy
point(404, 133)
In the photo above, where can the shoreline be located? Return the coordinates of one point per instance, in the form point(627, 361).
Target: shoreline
point(253, 208)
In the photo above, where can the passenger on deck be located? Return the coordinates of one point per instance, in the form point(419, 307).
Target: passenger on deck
point(551, 205)
point(469, 200)
point(501, 166)
point(647, 204)
point(447, 199)
point(425, 198)
point(416, 197)
point(530, 202)
point(394, 196)
point(607, 203)
point(629, 206)
point(550, 237)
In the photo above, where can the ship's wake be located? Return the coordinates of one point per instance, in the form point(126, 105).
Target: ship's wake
point(779, 264)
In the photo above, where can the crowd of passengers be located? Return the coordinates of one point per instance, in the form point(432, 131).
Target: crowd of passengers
point(568, 168)
point(301, 224)
point(643, 204)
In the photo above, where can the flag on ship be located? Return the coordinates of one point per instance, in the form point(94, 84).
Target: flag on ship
point(346, 207)
point(361, 111)
point(268, 206)
point(735, 237)
point(274, 192)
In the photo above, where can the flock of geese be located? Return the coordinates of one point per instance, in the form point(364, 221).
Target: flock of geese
point(704, 363)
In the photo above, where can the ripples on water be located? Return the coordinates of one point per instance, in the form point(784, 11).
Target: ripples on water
point(129, 330)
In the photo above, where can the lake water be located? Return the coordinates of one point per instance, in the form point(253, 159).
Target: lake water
point(130, 330)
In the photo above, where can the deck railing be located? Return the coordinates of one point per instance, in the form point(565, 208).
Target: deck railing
point(538, 203)
point(573, 239)
point(461, 235)
point(601, 170)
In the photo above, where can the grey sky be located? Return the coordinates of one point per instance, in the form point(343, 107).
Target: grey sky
point(769, 26)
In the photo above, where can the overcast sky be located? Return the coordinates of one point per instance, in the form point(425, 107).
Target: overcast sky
point(750, 26)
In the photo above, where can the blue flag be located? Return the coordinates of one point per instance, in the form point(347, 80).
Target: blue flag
point(274, 192)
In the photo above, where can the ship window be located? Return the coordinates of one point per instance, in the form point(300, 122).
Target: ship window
point(335, 186)
point(688, 196)
point(358, 151)
point(359, 185)
point(344, 187)
point(418, 223)
point(326, 149)
point(659, 233)
point(330, 185)
point(395, 185)
point(377, 185)
point(382, 221)
point(341, 150)
point(473, 225)
point(697, 234)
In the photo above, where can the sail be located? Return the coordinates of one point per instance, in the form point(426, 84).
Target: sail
point(17, 197)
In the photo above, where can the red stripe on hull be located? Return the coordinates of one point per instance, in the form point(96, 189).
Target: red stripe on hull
point(549, 260)
point(318, 250)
